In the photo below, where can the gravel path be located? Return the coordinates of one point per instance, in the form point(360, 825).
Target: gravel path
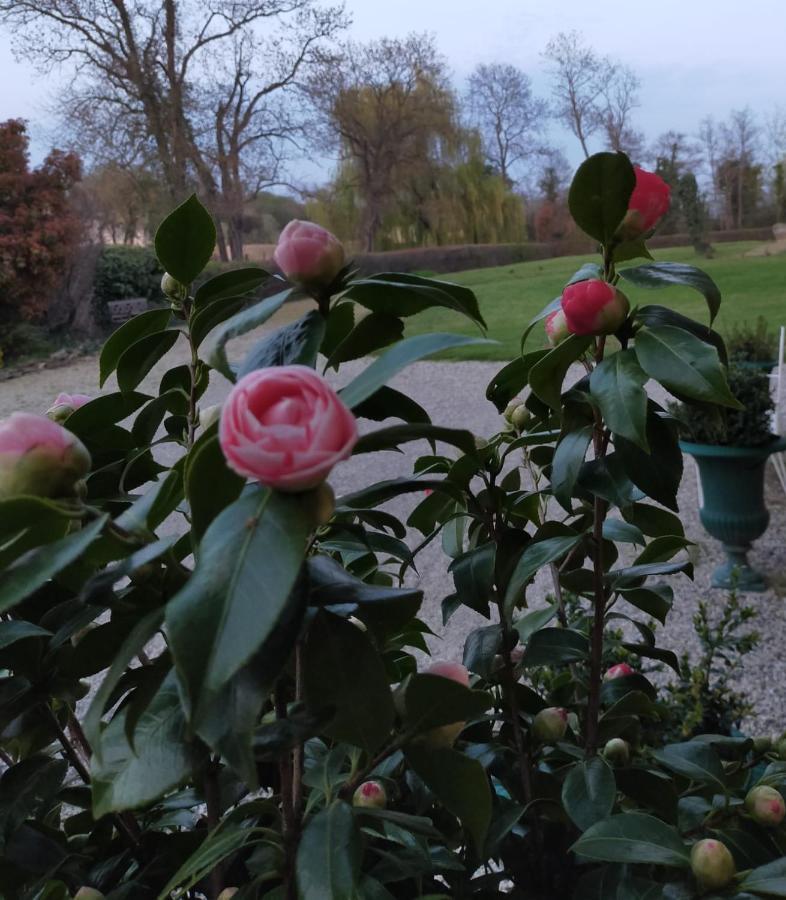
point(453, 393)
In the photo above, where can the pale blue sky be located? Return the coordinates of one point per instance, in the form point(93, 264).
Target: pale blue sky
point(694, 57)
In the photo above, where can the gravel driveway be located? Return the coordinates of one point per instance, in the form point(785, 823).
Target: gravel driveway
point(454, 395)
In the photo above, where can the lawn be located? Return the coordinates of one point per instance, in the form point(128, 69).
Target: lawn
point(510, 296)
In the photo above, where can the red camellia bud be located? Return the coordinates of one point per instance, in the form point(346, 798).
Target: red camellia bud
point(556, 327)
point(765, 805)
point(594, 307)
point(39, 457)
point(648, 204)
point(550, 724)
point(618, 671)
point(445, 735)
point(371, 795)
point(712, 864)
point(309, 254)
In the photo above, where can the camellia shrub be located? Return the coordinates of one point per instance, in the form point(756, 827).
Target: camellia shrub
point(212, 677)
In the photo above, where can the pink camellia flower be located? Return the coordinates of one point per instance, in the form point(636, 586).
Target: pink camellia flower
point(286, 428)
point(594, 307)
point(309, 254)
point(39, 457)
point(556, 326)
point(65, 404)
point(648, 204)
point(618, 671)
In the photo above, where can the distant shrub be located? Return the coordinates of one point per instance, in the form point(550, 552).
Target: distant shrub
point(123, 272)
point(752, 344)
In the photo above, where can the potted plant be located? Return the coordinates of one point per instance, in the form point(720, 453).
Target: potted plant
point(753, 347)
point(731, 447)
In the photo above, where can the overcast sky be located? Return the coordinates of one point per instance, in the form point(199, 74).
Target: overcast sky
point(694, 57)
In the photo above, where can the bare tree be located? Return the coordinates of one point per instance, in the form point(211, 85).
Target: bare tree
point(508, 116)
point(619, 96)
point(383, 105)
point(679, 153)
point(578, 79)
point(740, 135)
point(142, 69)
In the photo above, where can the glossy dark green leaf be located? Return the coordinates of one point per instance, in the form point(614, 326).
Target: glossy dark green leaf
point(651, 790)
point(599, 194)
point(653, 520)
point(37, 566)
point(658, 470)
point(210, 316)
point(622, 532)
point(473, 576)
point(28, 789)
point(633, 838)
point(535, 556)
point(34, 515)
point(459, 783)
point(668, 274)
point(695, 760)
point(372, 333)
point(683, 364)
point(607, 478)
point(294, 344)
point(226, 285)
point(102, 412)
point(242, 322)
point(555, 646)
point(363, 706)
point(433, 700)
point(480, 649)
point(386, 490)
point(146, 323)
point(387, 403)
point(627, 250)
point(589, 792)
point(399, 294)
point(768, 880)
point(141, 356)
point(566, 465)
point(548, 373)
point(150, 509)
point(662, 315)
point(410, 350)
point(586, 272)
point(617, 386)
point(328, 856)
point(231, 603)
point(655, 601)
point(210, 485)
point(531, 622)
point(511, 379)
point(216, 846)
point(390, 438)
point(185, 240)
point(16, 630)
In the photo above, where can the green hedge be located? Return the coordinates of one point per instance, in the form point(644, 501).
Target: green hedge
point(123, 272)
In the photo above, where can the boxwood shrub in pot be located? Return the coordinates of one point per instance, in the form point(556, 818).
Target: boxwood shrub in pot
point(731, 447)
point(262, 725)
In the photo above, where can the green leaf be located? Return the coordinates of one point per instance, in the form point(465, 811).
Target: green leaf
point(228, 285)
point(695, 760)
point(606, 477)
point(631, 250)
point(35, 568)
point(683, 364)
point(768, 880)
point(210, 485)
point(231, 603)
point(667, 274)
point(622, 532)
point(433, 700)
point(655, 601)
point(617, 386)
point(511, 379)
point(210, 316)
point(566, 465)
point(555, 646)
point(240, 323)
point(410, 350)
point(459, 783)
point(152, 507)
point(386, 490)
point(328, 856)
point(146, 323)
point(586, 272)
point(399, 294)
point(536, 555)
point(16, 630)
point(661, 315)
point(589, 792)
point(658, 470)
point(599, 194)
point(28, 789)
point(20, 513)
point(125, 778)
point(533, 621)
point(387, 403)
point(371, 333)
point(358, 690)
point(633, 838)
point(653, 520)
point(390, 438)
point(548, 373)
point(294, 344)
point(480, 648)
point(141, 356)
point(185, 240)
point(473, 575)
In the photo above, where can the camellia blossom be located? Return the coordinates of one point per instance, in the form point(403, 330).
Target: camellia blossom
point(309, 254)
point(648, 204)
point(39, 457)
point(618, 671)
point(286, 427)
point(556, 327)
point(594, 307)
point(65, 404)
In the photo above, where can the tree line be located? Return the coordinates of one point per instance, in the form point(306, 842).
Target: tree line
point(227, 98)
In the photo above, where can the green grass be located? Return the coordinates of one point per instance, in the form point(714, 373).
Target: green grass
point(510, 296)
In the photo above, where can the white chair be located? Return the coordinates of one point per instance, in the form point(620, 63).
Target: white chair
point(777, 379)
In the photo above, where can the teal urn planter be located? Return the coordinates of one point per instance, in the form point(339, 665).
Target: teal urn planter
point(734, 511)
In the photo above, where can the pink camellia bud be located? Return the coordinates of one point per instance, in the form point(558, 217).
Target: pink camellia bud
point(39, 457)
point(445, 735)
point(648, 204)
point(64, 405)
point(765, 805)
point(228, 893)
point(617, 752)
point(712, 864)
point(594, 307)
point(521, 417)
point(550, 724)
point(618, 671)
point(88, 893)
point(309, 254)
point(556, 326)
point(285, 427)
point(371, 795)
